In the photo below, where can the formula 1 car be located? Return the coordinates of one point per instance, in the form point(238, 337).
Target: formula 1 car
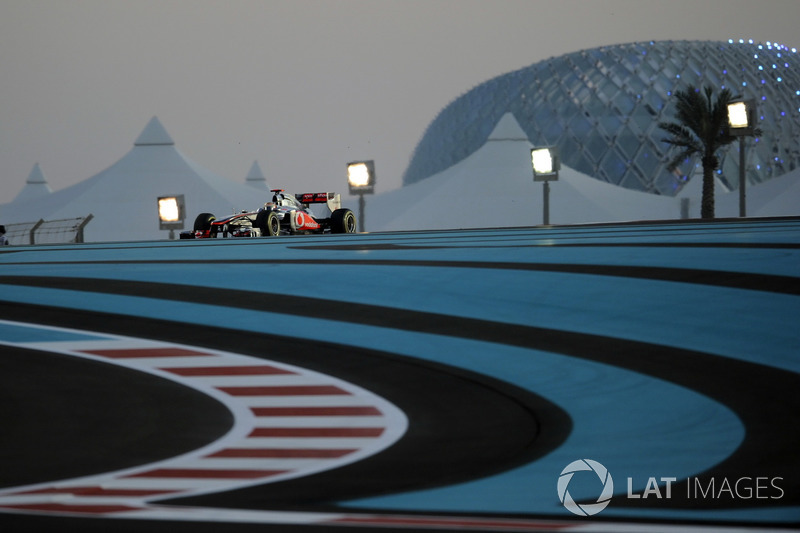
point(286, 215)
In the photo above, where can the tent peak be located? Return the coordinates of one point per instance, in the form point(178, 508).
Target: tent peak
point(154, 134)
point(255, 177)
point(508, 129)
point(36, 176)
point(36, 186)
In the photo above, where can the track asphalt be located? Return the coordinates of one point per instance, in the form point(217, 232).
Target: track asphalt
point(410, 380)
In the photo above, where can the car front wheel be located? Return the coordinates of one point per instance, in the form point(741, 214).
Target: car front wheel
point(269, 223)
point(203, 221)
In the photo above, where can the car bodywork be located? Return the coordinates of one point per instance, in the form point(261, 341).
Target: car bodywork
point(286, 214)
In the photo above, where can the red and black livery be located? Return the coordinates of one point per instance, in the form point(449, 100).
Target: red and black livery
point(286, 214)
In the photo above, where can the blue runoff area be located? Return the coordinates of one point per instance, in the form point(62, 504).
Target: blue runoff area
point(16, 333)
point(638, 426)
point(629, 422)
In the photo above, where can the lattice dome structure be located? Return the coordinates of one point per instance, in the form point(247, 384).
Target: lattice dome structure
point(601, 108)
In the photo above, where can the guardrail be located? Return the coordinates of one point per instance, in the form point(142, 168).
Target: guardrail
point(48, 231)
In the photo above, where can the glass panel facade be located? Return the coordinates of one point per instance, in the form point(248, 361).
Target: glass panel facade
point(602, 106)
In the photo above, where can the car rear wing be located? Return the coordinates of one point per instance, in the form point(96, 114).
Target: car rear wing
point(332, 199)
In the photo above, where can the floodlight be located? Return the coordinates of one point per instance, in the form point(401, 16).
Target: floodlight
point(741, 117)
point(545, 164)
point(361, 177)
point(361, 180)
point(358, 175)
point(742, 123)
point(171, 213)
point(168, 210)
point(737, 115)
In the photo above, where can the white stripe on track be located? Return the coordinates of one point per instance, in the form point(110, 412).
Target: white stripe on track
point(265, 444)
point(135, 493)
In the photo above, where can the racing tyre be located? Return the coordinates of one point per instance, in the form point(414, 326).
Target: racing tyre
point(269, 223)
point(343, 221)
point(203, 222)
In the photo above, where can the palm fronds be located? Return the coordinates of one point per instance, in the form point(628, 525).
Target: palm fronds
point(700, 129)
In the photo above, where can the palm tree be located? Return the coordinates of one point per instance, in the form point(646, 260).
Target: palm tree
point(701, 128)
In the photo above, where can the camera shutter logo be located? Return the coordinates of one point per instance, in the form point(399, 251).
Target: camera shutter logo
point(587, 509)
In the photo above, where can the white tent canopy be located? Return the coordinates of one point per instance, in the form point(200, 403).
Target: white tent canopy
point(775, 197)
point(494, 187)
point(35, 186)
point(123, 198)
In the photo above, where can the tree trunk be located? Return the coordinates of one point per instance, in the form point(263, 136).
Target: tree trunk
point(707, 202)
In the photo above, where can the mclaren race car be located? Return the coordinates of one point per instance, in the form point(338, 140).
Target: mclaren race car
point(286, 214)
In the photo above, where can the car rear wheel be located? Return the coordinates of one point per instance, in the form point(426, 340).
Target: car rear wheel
point(269, 223)
point(343, 221)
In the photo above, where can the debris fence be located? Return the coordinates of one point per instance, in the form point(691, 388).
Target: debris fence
point(48, 231)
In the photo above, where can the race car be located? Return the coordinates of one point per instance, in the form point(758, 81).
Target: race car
point(286, 214)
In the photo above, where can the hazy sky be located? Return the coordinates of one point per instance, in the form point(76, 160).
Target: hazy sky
point(301, 86)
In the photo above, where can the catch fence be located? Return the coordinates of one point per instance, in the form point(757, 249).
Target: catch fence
point(48, 231)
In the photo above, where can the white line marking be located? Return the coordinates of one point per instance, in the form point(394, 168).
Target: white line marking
point(235, 460)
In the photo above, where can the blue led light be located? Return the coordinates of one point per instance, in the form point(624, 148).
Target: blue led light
point(550, 105)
